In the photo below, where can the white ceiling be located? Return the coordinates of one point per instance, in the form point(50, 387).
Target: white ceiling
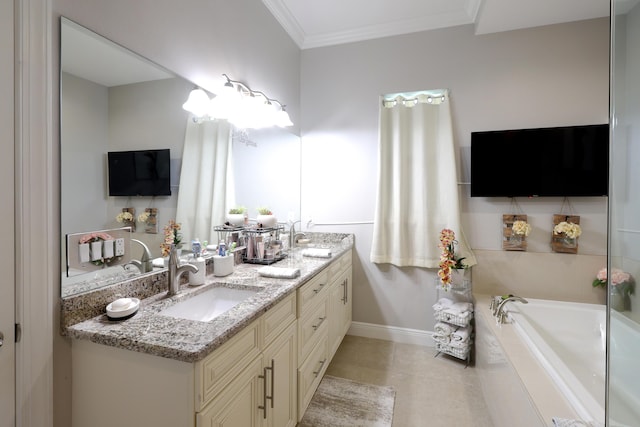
point(315, 23)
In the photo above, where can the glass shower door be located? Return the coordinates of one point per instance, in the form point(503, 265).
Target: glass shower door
point(623, 353)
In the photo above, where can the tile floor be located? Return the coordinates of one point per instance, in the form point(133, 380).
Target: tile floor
point(430, 391)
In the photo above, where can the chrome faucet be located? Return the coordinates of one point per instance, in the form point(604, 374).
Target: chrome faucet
point(145, 264)
point(176, 271)
point(499, 312)
point(293, 236)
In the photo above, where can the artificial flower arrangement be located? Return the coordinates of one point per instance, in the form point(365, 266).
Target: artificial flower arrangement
point(621, 280)
point(172, 236)
point(124, 216)
point(94, 237)
point(448, 259)
point(569, 229)
point(521, 228)
point(144, 216)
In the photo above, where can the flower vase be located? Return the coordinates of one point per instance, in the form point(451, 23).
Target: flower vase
point(616, 299)
point(569, 242)
point(461, 277)
point(516, 239)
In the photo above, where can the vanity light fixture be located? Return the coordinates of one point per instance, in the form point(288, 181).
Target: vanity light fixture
point(243, 107)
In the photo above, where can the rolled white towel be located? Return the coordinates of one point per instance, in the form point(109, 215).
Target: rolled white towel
point(158, 262)
point(442, 328)
point(317, 252)
point(461, 334)
point(442, 339)
point(279, 272)
point(459, 344)
point(442, 304)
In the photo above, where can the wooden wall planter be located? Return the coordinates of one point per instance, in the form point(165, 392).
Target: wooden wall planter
point(509, 244)
point(558, 243)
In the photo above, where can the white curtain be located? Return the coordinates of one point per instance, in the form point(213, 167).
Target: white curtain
point(417, 181)
point(207, 188)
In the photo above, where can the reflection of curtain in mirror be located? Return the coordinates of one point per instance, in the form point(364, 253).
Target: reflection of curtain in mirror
point(417, 181)
point(206, 179)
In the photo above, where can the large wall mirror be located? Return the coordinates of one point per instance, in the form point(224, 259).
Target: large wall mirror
point(112, 99)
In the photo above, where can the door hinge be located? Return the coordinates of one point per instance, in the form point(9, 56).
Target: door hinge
point(18, 332)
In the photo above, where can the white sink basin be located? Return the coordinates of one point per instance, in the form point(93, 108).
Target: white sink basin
point(209, 304)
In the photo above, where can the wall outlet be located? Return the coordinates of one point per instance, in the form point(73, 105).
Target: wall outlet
point(119, 247)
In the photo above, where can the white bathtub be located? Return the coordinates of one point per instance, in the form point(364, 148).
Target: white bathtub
point(569, 341)
point(548, 361)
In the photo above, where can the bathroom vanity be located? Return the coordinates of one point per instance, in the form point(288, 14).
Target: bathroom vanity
point(257, 364)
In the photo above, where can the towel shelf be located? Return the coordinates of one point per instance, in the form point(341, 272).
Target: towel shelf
point(458, 293)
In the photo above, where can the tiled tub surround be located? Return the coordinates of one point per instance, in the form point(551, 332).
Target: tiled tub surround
point(83, 316)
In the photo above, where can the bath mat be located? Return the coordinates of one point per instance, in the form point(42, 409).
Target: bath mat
point(344, 403)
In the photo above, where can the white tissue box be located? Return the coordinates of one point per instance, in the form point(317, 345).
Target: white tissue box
point(222, 265)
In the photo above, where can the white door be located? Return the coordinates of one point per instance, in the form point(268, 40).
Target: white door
point(7, 257)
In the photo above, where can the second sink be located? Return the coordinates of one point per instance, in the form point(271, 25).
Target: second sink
point(209, 304)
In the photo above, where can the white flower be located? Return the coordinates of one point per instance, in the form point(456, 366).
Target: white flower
point(521, 228)
point(571, 230)
point(124, 216)
point(143, 217)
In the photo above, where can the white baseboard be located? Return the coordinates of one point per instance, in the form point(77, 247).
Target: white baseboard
point(392, 333)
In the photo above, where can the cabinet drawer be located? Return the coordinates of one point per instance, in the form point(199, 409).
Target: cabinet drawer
point(311, 328)
point(338, 266)
point(218, 369)
point(312, 291)
point(310, 374)
point(278, 318)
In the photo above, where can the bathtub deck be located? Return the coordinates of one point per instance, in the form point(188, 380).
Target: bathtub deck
point(549, 401)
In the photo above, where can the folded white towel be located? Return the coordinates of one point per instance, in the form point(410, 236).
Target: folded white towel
point(279, 272)
point(442, 339)
point(461, 334)
point(442, 304)
point(454, 316)
point(158, 262)
point(317, 252)
point(442, 328)
point(459, 308)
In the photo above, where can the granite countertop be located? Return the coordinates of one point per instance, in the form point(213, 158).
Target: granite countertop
point(189, 340)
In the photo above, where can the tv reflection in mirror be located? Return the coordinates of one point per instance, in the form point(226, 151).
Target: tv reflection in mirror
point(139, 173)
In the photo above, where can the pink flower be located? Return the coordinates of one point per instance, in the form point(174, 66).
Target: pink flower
point(619, 276)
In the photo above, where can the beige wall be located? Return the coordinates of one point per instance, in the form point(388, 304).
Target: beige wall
point(547, 76)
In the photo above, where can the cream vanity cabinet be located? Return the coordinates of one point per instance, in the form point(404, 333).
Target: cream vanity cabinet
point(251, 380)
point(324, 315)
point(240, 385)
point(264, 376)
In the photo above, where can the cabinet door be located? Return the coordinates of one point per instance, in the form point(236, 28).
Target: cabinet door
point(280, 368)
point(340, 310)
point(238, 405)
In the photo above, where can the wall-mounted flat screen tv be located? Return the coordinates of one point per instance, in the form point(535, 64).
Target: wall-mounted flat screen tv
point(571, 161)
point(139, 173)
